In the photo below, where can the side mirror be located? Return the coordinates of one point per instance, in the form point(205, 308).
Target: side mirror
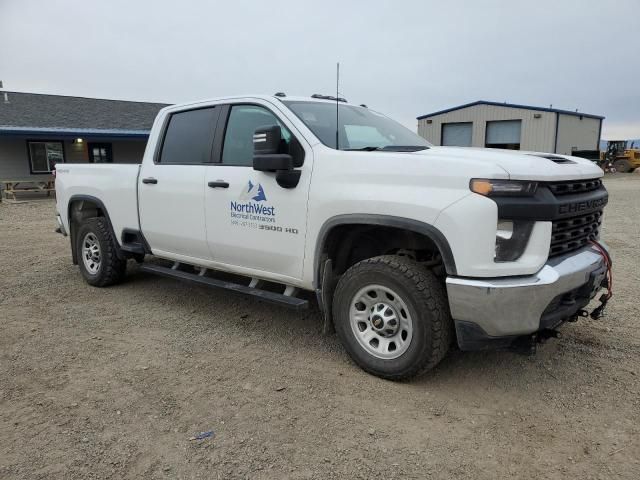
point(266, 150)
point(266, 140)
point(266, 156)
point(273, 162)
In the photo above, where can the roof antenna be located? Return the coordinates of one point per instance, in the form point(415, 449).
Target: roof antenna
point(337, 96)
point(6, 95)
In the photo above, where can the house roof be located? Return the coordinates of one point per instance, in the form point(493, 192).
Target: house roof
point(36, 113)
point(511, 105)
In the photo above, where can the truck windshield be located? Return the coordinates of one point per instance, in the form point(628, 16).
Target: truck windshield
point(359, 128)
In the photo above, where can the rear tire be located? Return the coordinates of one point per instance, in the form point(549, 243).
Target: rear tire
point(392, 317)
point(97, 253)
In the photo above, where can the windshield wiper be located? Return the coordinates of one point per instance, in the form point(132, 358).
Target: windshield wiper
point(405, 148)
point(389, 148)
point(363, 149)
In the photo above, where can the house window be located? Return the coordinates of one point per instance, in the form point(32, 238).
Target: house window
point(43, 156)
point(100, 153)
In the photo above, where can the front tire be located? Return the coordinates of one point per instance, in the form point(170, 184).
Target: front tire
point(622, 166)
point(97, 253)
point(392, 317)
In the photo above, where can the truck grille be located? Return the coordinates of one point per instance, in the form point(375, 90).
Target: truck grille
point(580, 186)
point(573, 233)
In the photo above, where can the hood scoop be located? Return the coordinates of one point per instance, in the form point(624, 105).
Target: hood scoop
point(553, 158)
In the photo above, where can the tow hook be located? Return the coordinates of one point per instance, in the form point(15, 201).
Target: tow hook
point(599, 310)
point(580, 313)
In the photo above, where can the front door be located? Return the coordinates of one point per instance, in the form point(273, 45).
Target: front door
point(252, 221)
point(171, 188)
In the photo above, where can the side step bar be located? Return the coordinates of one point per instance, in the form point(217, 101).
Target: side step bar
point(278, 298)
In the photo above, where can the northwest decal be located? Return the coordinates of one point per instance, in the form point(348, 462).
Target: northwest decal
point(252, 210)
point(252, 205)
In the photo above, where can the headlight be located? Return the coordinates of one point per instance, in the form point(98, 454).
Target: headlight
point(512, 237)
point(504, 188)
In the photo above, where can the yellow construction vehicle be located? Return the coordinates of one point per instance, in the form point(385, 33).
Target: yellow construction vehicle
point(625, 158)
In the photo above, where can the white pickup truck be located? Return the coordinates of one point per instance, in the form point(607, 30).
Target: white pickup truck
point(407, 246)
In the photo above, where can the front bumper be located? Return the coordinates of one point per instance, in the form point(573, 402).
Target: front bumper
point(493, 312)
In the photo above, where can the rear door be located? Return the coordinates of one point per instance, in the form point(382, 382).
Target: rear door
point(171, 188)
point(251, 221)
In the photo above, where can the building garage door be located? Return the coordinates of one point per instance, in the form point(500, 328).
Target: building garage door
point(457, 134)
point(504, 134)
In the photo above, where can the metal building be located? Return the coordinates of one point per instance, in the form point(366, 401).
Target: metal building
point(517, 127)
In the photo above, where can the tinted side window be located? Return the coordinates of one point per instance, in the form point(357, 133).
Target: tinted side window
point(188, 137)
point(238, 139)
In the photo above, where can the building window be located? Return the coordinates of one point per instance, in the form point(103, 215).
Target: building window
point(43, 156)
point(100, 153)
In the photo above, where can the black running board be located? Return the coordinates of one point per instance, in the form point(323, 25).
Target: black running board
point(134, 248)
point(264, 295)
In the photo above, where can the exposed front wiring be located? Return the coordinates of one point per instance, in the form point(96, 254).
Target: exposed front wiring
point(598, 311)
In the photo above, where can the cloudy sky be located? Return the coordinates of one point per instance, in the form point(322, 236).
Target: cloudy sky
point(404, 58)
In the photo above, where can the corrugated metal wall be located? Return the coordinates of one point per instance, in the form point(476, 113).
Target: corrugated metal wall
point(538, 134)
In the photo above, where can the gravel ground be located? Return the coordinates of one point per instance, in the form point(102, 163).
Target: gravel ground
point(113, 383)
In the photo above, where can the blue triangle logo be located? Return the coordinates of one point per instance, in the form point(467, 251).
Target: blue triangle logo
point(260, 196)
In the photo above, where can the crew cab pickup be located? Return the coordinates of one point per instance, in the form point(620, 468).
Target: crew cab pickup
point(408, 247)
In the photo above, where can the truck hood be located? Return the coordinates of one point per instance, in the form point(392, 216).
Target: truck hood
point(520, 165)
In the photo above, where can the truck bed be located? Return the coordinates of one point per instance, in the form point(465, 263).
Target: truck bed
point(113, 185)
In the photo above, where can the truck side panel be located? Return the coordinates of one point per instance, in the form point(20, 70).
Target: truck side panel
point(113, 185)
point(362, 183)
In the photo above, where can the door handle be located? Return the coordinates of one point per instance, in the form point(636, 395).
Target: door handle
point(218, 184)
point(150, 180)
